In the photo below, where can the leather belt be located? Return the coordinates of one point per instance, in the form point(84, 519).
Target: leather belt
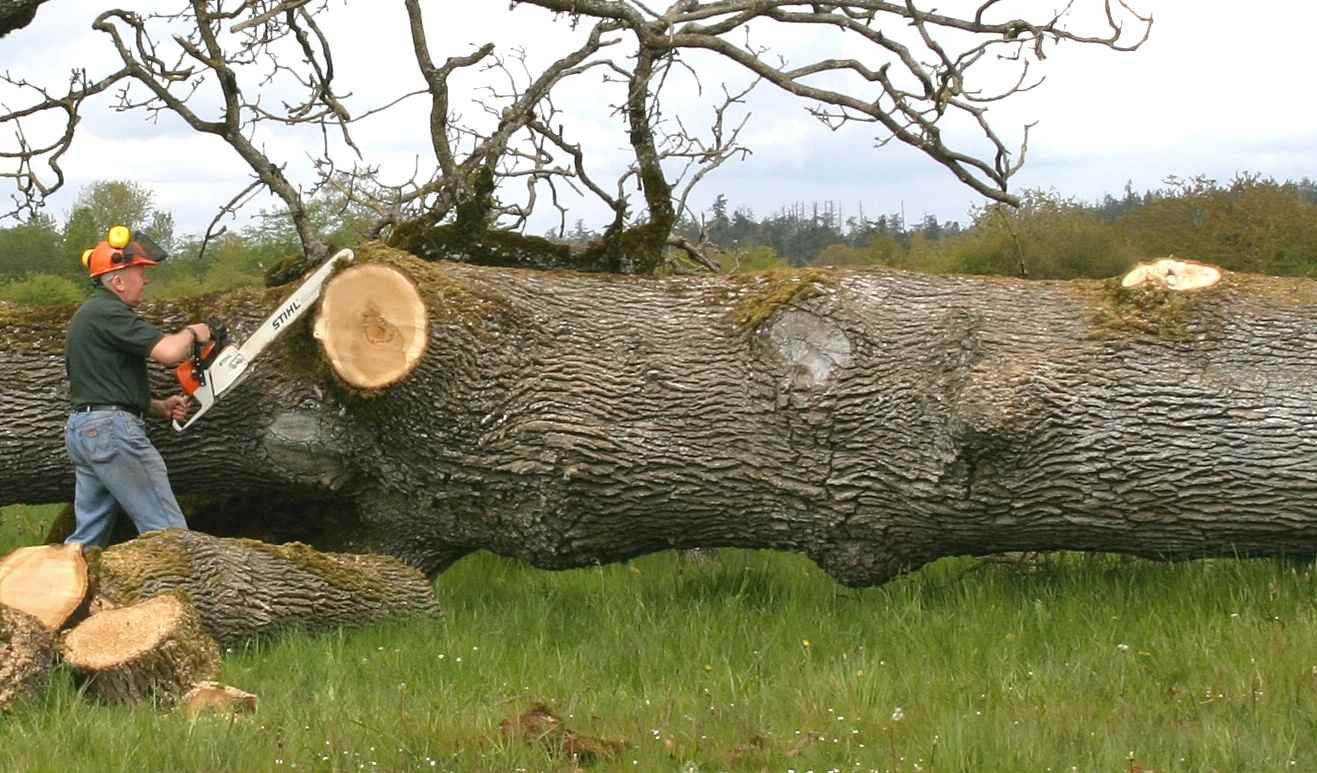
point(109, 407)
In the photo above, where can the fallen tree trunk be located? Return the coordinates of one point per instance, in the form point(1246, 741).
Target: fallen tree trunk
point(27, 653)
point(154, 650)
point(874, 420)
point(243, 589)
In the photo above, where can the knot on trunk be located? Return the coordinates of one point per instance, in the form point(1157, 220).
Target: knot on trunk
point(307, 447)
point(812, 348)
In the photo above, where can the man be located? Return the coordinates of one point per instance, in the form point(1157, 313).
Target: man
point(105, 352)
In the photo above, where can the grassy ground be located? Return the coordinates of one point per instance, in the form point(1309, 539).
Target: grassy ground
point(757, 661)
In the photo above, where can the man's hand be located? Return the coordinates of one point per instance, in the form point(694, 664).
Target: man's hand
point(173, 407)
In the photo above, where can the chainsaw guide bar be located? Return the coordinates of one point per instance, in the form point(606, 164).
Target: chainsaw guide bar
point(207, 383)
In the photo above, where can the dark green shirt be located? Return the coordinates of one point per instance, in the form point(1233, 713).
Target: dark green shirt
point(105, 353)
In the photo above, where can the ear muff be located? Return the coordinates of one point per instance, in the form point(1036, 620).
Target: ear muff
point(86, 259)
point(119, 237)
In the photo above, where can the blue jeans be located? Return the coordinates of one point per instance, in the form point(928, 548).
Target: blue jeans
point(116, 467)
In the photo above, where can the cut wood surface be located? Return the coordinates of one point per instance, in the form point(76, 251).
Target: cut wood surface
point(372, 325)
point(153, 650)
point(1172, 274)
point(49, 582)
point(27, 653)
point(243, 588)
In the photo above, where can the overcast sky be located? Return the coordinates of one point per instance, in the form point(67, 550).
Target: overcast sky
point(1216, 90)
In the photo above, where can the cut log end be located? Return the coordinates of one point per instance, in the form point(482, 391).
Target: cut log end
point(1172, 274)
point(49, 582)
point(372, 326)
point(152, 650)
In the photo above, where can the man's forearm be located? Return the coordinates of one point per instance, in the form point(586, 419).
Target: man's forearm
point(176, 347)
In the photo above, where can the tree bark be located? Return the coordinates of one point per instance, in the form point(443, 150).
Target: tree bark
point(17, 14)
point(27, 653)
point(874, 420)
point(243, 589)
point(154, 650)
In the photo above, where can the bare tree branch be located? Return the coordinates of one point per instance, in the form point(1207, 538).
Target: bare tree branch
point(229, 209)
point(31, 187)
point(262, 18)
point(910, 116)
point(909, 68)
point(694, 252)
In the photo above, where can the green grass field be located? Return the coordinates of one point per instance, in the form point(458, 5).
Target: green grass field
point(757, 661)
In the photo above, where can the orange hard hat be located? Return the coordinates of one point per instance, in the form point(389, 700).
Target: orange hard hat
point(122, 248)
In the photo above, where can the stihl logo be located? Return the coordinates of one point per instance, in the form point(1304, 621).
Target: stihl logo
point(285, 314)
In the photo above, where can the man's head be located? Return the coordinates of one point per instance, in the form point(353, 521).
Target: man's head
point(127, 283)
point(123, 255)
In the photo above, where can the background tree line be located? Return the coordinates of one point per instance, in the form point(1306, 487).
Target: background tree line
point(1251, 223)
point(40, 260)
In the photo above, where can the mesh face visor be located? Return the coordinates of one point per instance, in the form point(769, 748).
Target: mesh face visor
point(143, 247)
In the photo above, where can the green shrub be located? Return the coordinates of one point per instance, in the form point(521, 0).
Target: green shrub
point(843, 255)
point(1047, 237)
point(1253, 224)
point(43, 290)
point(753, 258)
point(177, 287)
point(231, 274)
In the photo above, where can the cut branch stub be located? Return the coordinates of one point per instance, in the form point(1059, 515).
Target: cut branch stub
point(152, 650)
point(372, 326)
point(1172, 274)
point(48, 582)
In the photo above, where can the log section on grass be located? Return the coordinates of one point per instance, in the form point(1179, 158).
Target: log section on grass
point(27, 653)
point(244, 588)
point(49, 582)
point(154, 650)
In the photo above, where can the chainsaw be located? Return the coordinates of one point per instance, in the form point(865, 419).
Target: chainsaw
point(217, 366)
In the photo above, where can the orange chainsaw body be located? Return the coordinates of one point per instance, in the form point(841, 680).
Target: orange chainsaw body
point(191, 373)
